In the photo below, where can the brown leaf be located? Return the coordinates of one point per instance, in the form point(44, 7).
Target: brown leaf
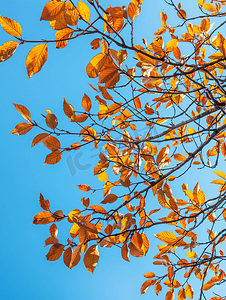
point(146, 285)
point(53, 157)
point(55, 252)
point(98, 209)
point(158, 288)
point(86, 103)
point(51, 121)
point(36, 59)
point(84, 187)
point(95, 43)
point(51, 241)
point(44, 217)
point(68, 109)
point(67, 256)
point(51, 143)
point(91, 258)
point(124, 252)
point(134, 251)
point(7, 49)
point(10, 26)
point(111, 198)
point(75, 258)
point(53, 230)
point(44, 203)
point(85, 202)
point(52, 9)
point(22, 129)
point(39, 138)
point(79, 118)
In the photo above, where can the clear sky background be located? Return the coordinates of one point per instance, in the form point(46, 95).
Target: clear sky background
point(25, 272)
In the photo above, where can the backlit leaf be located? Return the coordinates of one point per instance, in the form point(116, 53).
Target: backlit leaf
point(7, 49)
point(55, 252)
point(44, 217)
point(22, 129)
point(167, 237)
point(86, 103)
point(79, 118)
point(62, 37)
point(75, 258)
point(83, 10)
point(91, 258)
point(39, 138)
point(44, 203)
point(10, 26)
point(98, 209)
point(189, 291)
point(71, 14)
point(146, 285)
point(124, 252)
point(84, 187)
point(52, 9)
point(111, 198)
point(36, 59)
point(23, 111)
point(95, 65)
point(67, 256)
point(53, 157)
point(53, 230)
point(51, 143)
point(68, 109)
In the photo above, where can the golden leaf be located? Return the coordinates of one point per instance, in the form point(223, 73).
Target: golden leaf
point(209, 7)
point(179, 157)
point(71, 14)
point(83, 10)
point(171, 45)
point(52, 9)
point(103, 177)
point(134, 251)
point(95, 65)
point(189, 291)
point(7, 49)
point(22, 129)
point(158, 288)
point(55, 252)
point(59, 23)
point(133, 10)
point(98, 209)
point(11, 27)
point(53, 157)
point(79, 118)
point(91, 258)
point(149, 275)
point(36, 59)
point(86, 103)
point(167, 237)
point(62, 37)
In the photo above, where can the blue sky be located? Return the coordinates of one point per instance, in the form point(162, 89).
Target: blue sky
point(25, 272)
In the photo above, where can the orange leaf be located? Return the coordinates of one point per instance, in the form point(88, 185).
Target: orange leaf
point(146, 285)
point(7, 49)
point(10, 26)
point(39, 138)
point(91, 258)
point(75, 258)
point(111, 198)
point(209, 7)
point(98, 209)
point(137, 102)
point(79, 118)
point(51, 143)
point(85, 202)
point(134, 251)
point(124, 252)
point(62, 37)
point(158, 288)
point(53, 230)
point(23, 111)
point(55, 252)
point(71, 14)
point(22, 129)
point(189, 291)
point(167, 237)
point(86, 103)
point(133, 9)
point(95, 43)
point(44, 203)
point(171, 45)
point(83, 10)
point(84, 187)
point(51, 121)
point(52, 9)
point(51, 241)
point(95, 65)
point(67, 256)
point(59, 23)
point(182, 14)
point(179, 157)
point(53, 157)
point(36, 59)
point(149, 275)
point(170, 295)
point(44, 217)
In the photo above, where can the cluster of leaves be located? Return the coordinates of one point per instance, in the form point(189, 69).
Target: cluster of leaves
point(191, 132)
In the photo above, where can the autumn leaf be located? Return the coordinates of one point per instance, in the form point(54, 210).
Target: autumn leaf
point(44, 217)
point(124, 252)
point(86, 103)
point(51, 241)
point(51, 121)
point(52, 9)
point(91, 258)
point(75, 257)
point(98, 209)
point(53, 157)
point(22, 129)
point(53, 230)
point(95, 65)
point(111, 198)
point(11, 27)
point(7, 50)
point(44, 203)
point(147, 284)
point(36, 59)
point(55, 252)
point(84, 187)
point(68, 109)
point(83, 10)
point(67, 256)
point(39, 138)
point(71, 14)
point(51, 143)
point(62, 37)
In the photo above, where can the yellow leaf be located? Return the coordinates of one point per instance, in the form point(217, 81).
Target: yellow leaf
point(83, 10)
point(55, 252)
point(53, 157)
point(86, 103)
point(10, 26)
point(137, 102)
point(36, 59)
point(71, 14)
point(22, 129)
point(209, 7)
point(171, 45)
point(221, 174)
point(62, 37)
point(91, 258)
point(191, 254)
point(7, 49)
point(133, 10)
point(52, 9)
point(189, 291)
point(167, 237)
point(103, 177)
point(201, 197)
point(68, 109)
point(59, 23)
